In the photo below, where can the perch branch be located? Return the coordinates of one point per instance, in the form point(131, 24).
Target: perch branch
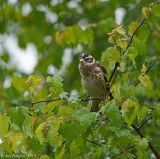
point(46, 101)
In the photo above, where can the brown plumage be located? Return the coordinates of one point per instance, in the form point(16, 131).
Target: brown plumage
point(93, 79)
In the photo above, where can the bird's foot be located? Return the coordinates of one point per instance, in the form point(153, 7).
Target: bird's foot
point(103, 99)
point(86, 99)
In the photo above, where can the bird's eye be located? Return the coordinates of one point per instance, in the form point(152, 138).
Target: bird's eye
point(90, 60)
point(87, 60)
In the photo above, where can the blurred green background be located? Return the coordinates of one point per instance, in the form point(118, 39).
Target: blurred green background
point(46, 38)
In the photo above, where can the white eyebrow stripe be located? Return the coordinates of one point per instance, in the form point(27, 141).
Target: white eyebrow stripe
point(89, 57)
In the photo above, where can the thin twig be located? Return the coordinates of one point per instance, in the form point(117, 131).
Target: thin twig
point(94, 142)
point(146, 72)
point(61, 119)
point(144, 122)
point(123, 150)
point(114, 78)
point(45, 115)
point(3, 112)
point(117, 63)
point(46, 101)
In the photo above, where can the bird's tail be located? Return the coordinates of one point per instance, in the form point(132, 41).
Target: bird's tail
point(94, 106)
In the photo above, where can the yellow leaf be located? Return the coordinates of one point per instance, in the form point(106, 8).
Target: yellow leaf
point(120, 30)
point(146, 12)
point(122, 43)
point(143, 70)
point(62, 38)
point(145, 80)
point(132, 27)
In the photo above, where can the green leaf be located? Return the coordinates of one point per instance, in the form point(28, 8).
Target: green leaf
point(56, 82)
point(71, 131)
point(18, 115)
point(62, 38)
point(60, 151)
point(86, 36)
point(28, 125)
point(156, 114)
point(111, 110)
point(132, 53)
point(32, 81)
point(106, 25)
point(129, 111)
point(51, 106)
point(63, 95)
point(51, 133)
point(127, 91)
point(64, 110)
point(141, 47)
point(145, 80)
point(123, 132)
point(113, 53)
point(142, 113)
point(74, 150)
point(44, 157)
point(132, 27)
point(18, 83)
point(39, 133)
point(84, 116)
point(142, 144)
point(156, 9)
point(76, 35)
point(4, 126)
point(146, 12)
point(122, 43)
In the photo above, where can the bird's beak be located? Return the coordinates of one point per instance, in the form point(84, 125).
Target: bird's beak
point(81, 60)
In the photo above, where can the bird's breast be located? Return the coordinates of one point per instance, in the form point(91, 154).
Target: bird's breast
point(94, 85)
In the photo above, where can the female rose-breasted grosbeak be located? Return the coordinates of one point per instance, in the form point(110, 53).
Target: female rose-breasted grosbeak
point(93, 79)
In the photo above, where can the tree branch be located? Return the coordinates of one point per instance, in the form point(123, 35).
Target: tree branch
point(149, 143)
point(117, 63)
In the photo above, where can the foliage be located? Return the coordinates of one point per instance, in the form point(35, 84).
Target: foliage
point(42, 117)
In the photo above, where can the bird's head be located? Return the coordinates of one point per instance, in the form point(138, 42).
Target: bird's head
point(86, 60)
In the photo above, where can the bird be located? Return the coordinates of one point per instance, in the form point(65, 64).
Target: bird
point(94, 80)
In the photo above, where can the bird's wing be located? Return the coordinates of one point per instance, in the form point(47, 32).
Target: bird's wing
point(105, 78)
point(103, 70)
